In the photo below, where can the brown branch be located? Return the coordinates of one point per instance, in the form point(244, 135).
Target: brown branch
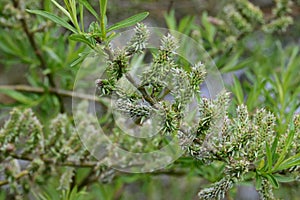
point(170, 6)
point(62, 93)
point(38, 52)
point(142, 90)
point(174, 173)
point(70, 163)
point(17, 177)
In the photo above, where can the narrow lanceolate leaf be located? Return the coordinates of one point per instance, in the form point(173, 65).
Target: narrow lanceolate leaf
point(258, 182)
point(53, 18)
point(286, 147)
point(284, 178)
point(272, 180)
point(290, 162)
point(80, 38)
point(62, 9)
point(18, 96)
point(238, 90)
point(88, 6)
point(129, 21)
point(269, 157)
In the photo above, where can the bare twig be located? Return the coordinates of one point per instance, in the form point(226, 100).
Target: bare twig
point(38, 53)
point(170, 7)
point(17, 177)
point(69, 163)
point(142, 90)
point(62, 93)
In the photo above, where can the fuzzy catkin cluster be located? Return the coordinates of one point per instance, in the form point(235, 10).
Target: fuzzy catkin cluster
point(139, 41)
point(217, 191)
point(240, 145)
point(46, 149)
point(163, 77)
point(118, 62)
point(240, 17)
point(162, 64)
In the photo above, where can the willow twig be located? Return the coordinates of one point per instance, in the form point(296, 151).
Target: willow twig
point(63, 93)
point(17, 177)
point(43, 64)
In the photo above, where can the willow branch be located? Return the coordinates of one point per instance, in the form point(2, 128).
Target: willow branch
point(141, 90)
point(60, 92)
point(17, 177)
point(38, 52)
point(68, 163)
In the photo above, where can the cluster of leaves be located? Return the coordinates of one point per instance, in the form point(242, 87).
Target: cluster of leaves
point(272, 81)
point(26, 41)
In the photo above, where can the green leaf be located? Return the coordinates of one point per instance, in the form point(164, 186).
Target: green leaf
point(274, 147)
point(238, 91)
point(76, 194)
point(258, 181)
point(261, 164)
point(288, 72)
point(185, 25)
point(88, 6)
point(272, 180)
point(128, 22)
point(287, 145)
point(256, 89)
point(234, 64)
point(81, 38)
point(53, 18)
point(290, 162)
point(2, 195)
point(62, 9)
point(79, 59)
point(269, 157)
point(52, 54)
point(283, 179)
point(7, 43)
point(209, 28)
point(103, 5)
point(44, 196)
point(18, 96)
point(170, 19)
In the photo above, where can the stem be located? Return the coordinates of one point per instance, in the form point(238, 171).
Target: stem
point(164, 94)
point(170, 6)
point(141, 90)
point(227, 194)
point(17, 177)
point(70, 163)
point(38, 53)
point(62, 93)
point(103, 14)
point(103, 30)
